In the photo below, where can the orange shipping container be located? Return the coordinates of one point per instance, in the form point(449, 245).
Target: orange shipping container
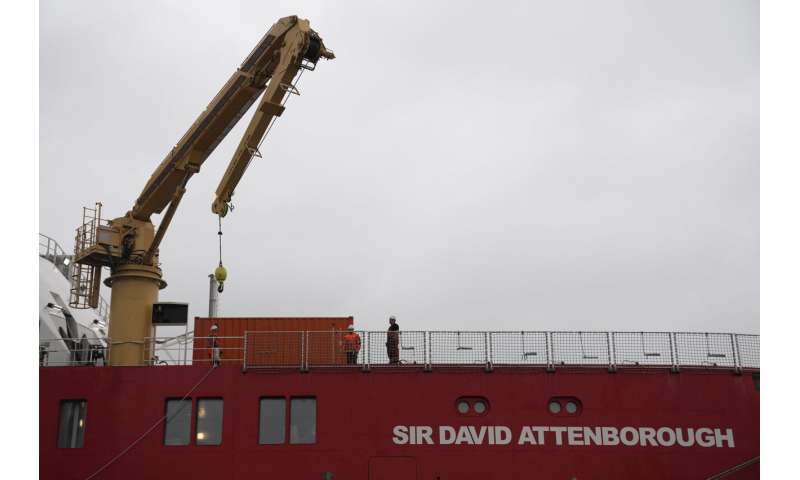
point(276, 341)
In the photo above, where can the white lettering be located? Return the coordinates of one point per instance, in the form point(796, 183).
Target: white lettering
point(477, 438)
point(447, 435)
point(575, 435)
point(686, 442)
point(704, 437)
point(728, 436)
point(592, 435)
point(564, 435)
point(558, 431)
point(424, 435)
point(502, 435)
point(540, 433)
point(610, 436)
point(666, 436)
point(629, 436)
point(400, 433)
point(647, 435)
point(463, 437)
point(526, 437)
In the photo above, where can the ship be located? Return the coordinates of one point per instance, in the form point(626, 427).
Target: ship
point(245, 398)
point(321, 398)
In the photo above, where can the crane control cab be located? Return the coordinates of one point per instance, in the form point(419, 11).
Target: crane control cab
point(128, 245)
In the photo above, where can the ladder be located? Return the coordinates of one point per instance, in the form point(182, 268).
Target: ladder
point(84, 289)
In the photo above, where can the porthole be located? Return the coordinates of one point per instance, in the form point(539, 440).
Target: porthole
point(564, 406)
point(472, 406)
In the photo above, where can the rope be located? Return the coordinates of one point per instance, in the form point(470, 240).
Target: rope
point(133, 444)
point(736, 468)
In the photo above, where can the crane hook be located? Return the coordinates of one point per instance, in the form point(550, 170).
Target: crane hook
point(220, 273)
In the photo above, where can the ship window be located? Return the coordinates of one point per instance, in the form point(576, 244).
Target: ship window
point(472, 406)
point(272, 421)
point(179, 422)
point(71, 423)
point(303, 421)
point(209, 421)
point(564, 406)
point(572, 407)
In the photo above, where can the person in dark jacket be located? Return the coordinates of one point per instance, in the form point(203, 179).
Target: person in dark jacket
point(393, 341)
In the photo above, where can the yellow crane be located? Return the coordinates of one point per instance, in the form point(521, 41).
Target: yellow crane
point(128, 245)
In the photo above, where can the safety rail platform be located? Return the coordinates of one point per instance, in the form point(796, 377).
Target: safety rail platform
point(427, 350)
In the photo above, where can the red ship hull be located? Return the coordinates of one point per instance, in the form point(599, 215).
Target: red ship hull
point(363, 422)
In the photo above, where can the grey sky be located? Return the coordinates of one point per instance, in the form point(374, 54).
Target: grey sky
point(503, 165)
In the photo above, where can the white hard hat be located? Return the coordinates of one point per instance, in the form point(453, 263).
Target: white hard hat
point(214, 327)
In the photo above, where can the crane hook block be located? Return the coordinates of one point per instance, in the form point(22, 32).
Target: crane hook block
point(220, 273)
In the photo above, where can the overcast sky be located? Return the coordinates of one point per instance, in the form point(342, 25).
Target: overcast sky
point(472, 165)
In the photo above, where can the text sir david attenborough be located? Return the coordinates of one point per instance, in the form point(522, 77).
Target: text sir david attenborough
point(563, 436)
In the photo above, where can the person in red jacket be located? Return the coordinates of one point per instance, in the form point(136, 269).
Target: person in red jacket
point(351, 342)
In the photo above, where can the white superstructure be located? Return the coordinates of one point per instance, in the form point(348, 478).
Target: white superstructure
point(66, 336)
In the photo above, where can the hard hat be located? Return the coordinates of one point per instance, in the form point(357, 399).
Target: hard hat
point(350, 327)
point(214, 327)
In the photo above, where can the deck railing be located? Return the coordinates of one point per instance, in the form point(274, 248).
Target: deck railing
point(429, 350)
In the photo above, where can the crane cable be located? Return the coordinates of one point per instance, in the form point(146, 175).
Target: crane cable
point(219, 233)
point(220, 274)
point(165, 417)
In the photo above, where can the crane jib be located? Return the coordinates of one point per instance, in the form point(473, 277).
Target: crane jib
point(222, 114)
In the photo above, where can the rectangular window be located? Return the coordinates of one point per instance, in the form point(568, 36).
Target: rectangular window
point(179, 422)
point(71, 423)
point(272, 421)
point(209, 421)
point(304, 421)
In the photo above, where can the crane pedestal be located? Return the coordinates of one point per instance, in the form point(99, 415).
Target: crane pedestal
point(134, 290)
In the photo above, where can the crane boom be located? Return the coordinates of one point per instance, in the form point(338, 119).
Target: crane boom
point(281, 50)
point(128, 245)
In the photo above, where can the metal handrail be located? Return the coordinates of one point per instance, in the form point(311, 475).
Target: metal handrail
point(454, 349)
point(49, 249)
